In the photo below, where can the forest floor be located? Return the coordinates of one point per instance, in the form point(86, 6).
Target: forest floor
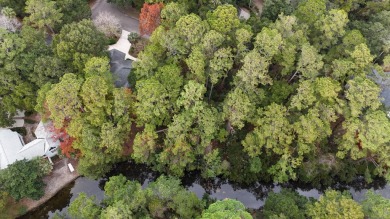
point(31, 123)
point(55, 181)
point(259, 5)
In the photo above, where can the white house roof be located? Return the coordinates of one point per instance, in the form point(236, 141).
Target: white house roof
point(12, 148)
point(10, 145)
point(36, 148)
point(42, 131)
point(244, 14)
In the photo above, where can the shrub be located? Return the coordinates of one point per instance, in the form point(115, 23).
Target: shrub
point(23, 179)
point(133, 37)
point(45, 166)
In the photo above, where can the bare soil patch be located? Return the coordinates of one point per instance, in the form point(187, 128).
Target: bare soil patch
point(30, 123)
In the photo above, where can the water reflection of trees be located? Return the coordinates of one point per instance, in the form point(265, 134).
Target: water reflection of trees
point(144, 174)
point(131, 171)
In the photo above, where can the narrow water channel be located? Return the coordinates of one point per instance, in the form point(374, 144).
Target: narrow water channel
point(252, 196)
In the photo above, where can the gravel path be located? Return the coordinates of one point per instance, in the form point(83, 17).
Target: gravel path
point(127, 17)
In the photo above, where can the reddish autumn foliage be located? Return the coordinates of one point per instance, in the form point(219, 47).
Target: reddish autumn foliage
point(65, 141)
point(149, 19)
point(67, 149)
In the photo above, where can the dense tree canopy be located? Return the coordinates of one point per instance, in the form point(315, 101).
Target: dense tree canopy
point(268, 98)
point(95, 114)
point(298, 87)
point(19, 70)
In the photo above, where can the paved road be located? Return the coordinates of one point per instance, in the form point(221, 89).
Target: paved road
point(129, 23)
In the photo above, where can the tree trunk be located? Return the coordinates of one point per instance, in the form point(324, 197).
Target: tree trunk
point(51, 29)
point(293, 76)
point(162, 130)
point(211, 90)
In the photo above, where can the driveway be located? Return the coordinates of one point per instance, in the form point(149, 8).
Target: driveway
point(128, 20)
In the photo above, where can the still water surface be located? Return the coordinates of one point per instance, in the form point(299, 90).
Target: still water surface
point(252, 196)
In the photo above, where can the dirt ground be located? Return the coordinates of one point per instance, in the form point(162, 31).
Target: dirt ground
point(259, 5)
point(30, 128)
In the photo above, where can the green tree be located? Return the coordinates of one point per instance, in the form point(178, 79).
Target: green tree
point(190, 133)
point(376, 206)
point(166, 193)
point(377, 22)
point(123, 199)
point(23, 179)
point(63, 100)
point(220, 64)
point(94, 94)
point(102, 145)
point(156, 95)
point(287, 203)
point(228, 208)
point(43, 13)
point(148, 60)
point(274, 135)
point(8, 12)
point(365, 137)
point(77, 42)
point(17, 60)
point(171, 13)
point(309, 11)
point(334, 204)
point(47, 69)
point(190, 29)
point(126, 195)
point(145, 145)
point(362, 58)
point(73, 11)
point(243, 38)
point(196, 62)
point(237, 108)
point(191, 95)
point(268, 42)
point(17, 5)
point(293, 38)
point(254, 71)
point(211, 41)
point(310, 63)
point(362, 94)
point(213, 165)
point(330, 28)
point(273, 8)
point(84, 207)
point(223, 19)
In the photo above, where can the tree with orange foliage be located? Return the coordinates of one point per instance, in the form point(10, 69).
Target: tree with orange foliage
point(149, 19)
point(65, 141)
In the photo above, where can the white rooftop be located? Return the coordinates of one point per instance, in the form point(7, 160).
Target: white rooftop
point(12, 148)
point(43, 131)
